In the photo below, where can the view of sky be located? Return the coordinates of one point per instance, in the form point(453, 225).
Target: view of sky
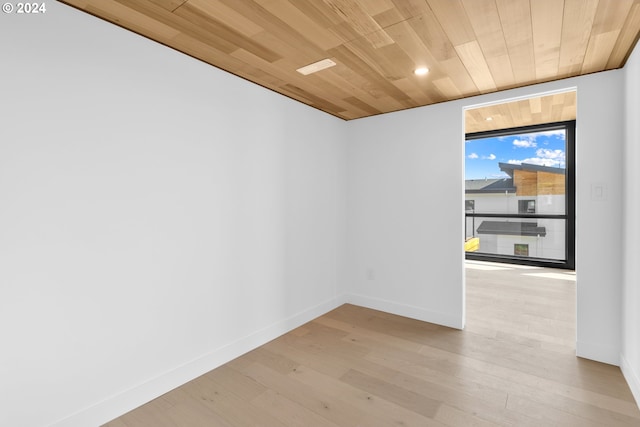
point(540, 148)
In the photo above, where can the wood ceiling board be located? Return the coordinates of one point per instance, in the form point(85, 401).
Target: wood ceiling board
point(471, 56)
point(486, 24)
point(406, 39)
point(388, 18)
point(453, 19)
point(516, 24)
point(609, 21)
point(598, 51)
point(414, 90)
point(273, 25)
point(411, 8)
point(223, 35)
point(361, 105)
point(576, 31)
point(447, 88)
point(375, 7)
point(455, 69)
point(169, 5)
point(306, 27)
point(348, 55)
point(392, 61)
point(521, 113)
point(470, 46)
point(546, 24)
point(356, 18)
point(626, 40)
point(232, 18)
point(428, 29)
point(525, 112)
point(611, 15)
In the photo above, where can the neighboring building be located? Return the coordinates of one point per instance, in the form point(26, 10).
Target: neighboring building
point(529, 189)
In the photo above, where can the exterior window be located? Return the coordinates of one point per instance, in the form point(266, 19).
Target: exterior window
point(469, 205)
point(526, 206)
point(524, 179)
point(521, 249)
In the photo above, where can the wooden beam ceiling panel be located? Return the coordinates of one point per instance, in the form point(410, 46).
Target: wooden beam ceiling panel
point(470, 46)
point(406, 39)
point(388, 17)
point(232, 18)
point(473, 59)
point(576, 30)
point(546, 24)
point(455, 69)
point(427, 27)
point(222, 35)
point(306, 27)
point(626, 40)
point(486, 24)
point(447, 88)
point(453, 19)
point(375, 7)
point(515, 16)
point(169, 5)
point(608, 23)
point(525, 112)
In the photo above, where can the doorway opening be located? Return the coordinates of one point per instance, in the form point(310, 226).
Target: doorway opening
point(519, 219)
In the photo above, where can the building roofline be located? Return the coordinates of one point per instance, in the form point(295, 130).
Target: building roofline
point(510, 167)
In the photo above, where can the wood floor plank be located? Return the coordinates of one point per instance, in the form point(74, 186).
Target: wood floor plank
point(385, 413)
point(400, 396)
point(320, 402)
point(513, 365)
point(289, 412)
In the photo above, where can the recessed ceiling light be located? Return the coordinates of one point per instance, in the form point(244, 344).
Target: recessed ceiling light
point(316, 66)
point(421, 71)
point(489, 119)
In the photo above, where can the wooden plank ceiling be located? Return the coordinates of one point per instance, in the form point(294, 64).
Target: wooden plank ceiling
point(558, 107)
point(470, 46)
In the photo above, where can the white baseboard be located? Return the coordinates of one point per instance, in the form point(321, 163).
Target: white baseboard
point(405, 310)
point(597, 353)
point(140, 394)
point(632, 377)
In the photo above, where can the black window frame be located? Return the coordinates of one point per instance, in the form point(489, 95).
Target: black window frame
point(569, 215)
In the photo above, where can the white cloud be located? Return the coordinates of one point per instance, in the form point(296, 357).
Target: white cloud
point(544, 157)
point(545, 153)
point(476, 156)
point(524, 143)
point(529, 140)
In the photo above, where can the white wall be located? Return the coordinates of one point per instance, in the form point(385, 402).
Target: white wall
point(158, 217)
point(406, 208)
point(630, 359)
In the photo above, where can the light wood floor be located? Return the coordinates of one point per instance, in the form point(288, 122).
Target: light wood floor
point(514, 365)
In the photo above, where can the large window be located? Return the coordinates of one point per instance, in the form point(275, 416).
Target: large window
point(519, 191)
